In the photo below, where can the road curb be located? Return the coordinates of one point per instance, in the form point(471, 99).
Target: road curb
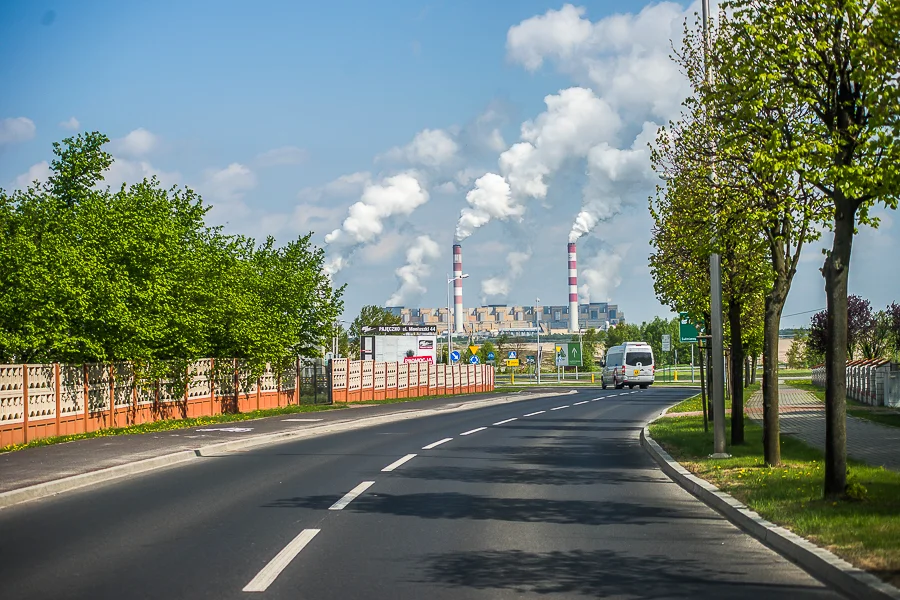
point(65, 484)
point(820, 563)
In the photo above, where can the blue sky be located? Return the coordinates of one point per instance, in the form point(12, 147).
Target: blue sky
point(285, 114)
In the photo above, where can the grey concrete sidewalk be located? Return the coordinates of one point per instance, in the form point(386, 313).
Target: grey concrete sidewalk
point(803, 416)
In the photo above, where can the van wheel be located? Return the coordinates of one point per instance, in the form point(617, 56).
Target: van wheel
point(631, 387)
point(644, 386)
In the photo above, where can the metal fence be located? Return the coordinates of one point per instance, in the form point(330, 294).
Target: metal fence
point(315, 382)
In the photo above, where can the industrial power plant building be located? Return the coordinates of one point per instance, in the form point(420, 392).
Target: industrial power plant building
point(495, 318)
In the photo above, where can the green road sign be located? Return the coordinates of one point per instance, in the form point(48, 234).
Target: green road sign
point(687, 331)
point(574, 355)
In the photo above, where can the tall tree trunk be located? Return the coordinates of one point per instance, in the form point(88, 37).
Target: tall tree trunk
point(737, 373)
point(703, 391)
point(771, 426)
point(836, 270)
point(753, 369)
point(746, 371)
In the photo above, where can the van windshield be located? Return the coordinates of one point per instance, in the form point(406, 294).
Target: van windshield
point(645, 359)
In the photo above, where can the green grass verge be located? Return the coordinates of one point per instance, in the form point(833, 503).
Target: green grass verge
point(694, 404)
point(878, 414)
point(865, 532)
point(173, 424)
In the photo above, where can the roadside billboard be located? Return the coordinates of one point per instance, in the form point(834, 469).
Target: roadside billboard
point(406, 348)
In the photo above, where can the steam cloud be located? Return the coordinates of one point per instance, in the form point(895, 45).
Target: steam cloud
point(500, 286)
point(397, 195)
point(601, 274)
point(612, 174)
point(575, 121)
point(424, 249)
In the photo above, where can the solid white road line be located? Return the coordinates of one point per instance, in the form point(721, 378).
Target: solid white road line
point(506, 421)
point(535, 413)
point(351, 495)
point(397, 463)
point(300, 420)
point(560, 407)
point(264, 578)
point(476, 430)
point(436, 444)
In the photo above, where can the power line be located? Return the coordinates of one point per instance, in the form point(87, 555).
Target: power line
point(803, 313)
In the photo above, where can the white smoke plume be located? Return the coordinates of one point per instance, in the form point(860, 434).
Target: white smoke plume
point(600, 274)
point(612, 175)
point(398, 195)
point(489, 199)
point(501, 285)
point(575, 121)
point(417, 267)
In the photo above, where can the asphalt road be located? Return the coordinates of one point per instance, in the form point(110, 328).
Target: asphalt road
point(539, 503)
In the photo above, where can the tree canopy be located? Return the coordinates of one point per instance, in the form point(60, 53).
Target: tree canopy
point(92, 274)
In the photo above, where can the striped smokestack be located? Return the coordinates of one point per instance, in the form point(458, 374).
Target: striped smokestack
point(457, 289)
point(573, 290)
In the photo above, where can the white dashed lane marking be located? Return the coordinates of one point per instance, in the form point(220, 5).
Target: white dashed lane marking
point(560, 407)
point(506, 421)
point(582, 402)
point(264, 578)
point(436, 444)
point(471, 431)
point(536, 413)
point(351, 495)
point(397, 463)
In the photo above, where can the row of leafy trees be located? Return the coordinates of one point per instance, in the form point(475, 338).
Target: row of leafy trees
point(870, 334)
point(93, 274)
point(793, 128)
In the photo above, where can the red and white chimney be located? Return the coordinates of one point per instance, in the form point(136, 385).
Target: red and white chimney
point(573, 290)
point(457, 289)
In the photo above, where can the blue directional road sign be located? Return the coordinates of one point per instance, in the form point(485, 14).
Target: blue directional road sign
point(473, 360)
point(512, 355)
point(454, 356)
point(490, 356)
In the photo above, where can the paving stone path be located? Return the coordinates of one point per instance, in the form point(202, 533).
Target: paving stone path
point(803, 416)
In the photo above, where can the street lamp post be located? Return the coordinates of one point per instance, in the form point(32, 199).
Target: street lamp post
point(715, 296)
point(450, 280)
point(537, 313)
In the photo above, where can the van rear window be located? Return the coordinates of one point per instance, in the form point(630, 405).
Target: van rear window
point(644, 358)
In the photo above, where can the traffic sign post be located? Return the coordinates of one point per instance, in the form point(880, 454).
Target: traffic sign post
point(454, 356)
point(490, 356)
point(473, 360)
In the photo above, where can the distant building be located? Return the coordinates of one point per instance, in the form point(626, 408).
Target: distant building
point(496, 317)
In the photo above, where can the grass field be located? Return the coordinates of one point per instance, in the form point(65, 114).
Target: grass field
point(864, 531)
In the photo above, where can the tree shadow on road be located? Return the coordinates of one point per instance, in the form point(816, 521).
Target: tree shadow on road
point(533, 476)
point(454, 505)
point(603, 573)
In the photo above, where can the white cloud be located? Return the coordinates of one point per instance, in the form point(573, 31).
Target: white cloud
point(448, 187)
point(430, 148)
point(286, 155)
point(16, 129)
point(134, 171)
point(626, 55)
point(501, 285)
point(71, 124)
point(417, 267)
point(137, 143)
point(230, 183)
point(40, 172)
point(345, 185)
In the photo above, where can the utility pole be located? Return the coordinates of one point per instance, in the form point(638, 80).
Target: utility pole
point(717, 387)
point(537, 314)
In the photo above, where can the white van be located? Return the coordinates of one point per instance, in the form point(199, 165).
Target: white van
point(630, 364)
